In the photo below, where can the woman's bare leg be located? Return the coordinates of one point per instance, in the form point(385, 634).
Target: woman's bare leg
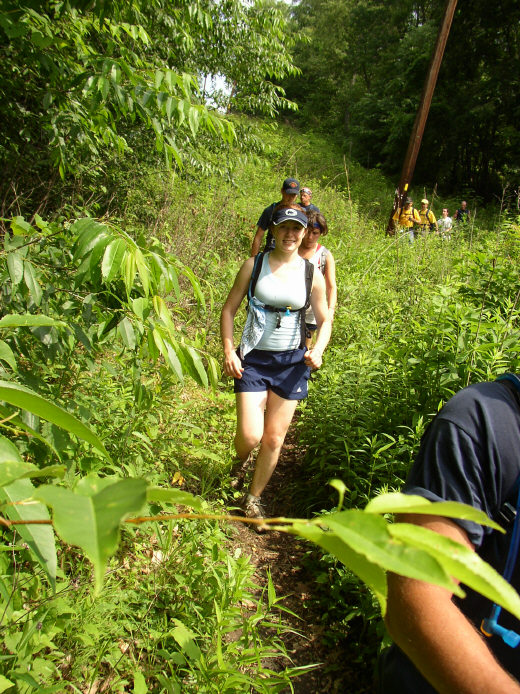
point(278, 416)
point(250, 421)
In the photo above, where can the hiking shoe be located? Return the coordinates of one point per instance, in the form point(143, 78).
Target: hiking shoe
point(252, 508)
point(239, 470)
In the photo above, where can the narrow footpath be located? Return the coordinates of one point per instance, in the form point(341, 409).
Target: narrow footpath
point(282, 555)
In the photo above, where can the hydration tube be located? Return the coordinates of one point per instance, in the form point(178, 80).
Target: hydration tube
point(489, 626)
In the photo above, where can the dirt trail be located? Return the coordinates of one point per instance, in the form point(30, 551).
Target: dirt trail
point(282, 554)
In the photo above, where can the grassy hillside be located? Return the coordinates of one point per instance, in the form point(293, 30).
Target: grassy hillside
point(414, 324)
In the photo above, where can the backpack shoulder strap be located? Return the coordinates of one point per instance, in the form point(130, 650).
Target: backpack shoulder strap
point(257, 268)
point(309, 274)
point(273, 205)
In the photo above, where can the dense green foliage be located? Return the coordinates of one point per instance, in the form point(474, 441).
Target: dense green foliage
point(122, 308)
point(133, 188)
point(84, 84)
point(364, 64)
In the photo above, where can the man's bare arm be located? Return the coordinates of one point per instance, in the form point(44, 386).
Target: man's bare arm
point(257, 241)
point(444, 646)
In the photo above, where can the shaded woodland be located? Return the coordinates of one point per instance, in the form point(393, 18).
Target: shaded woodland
point(363, 65)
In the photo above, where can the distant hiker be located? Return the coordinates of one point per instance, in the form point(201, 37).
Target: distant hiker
point(272, 364)
point(290, 191)
point(406, 217)
point(462, 214)
point(323, 260)
point(468, 454)
point(445, 224)
point(428, 221)
point(305, 201)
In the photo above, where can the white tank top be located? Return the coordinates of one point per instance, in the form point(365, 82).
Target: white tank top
point(319, 260)
point(274, 292)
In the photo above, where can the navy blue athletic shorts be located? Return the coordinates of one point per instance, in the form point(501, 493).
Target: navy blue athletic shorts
point(285, 373)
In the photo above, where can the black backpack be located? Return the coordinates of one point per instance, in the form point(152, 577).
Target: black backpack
point(309, 273)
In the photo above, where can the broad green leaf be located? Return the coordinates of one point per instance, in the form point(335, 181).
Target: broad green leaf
point(141, 307)
point(126, 330)
point(20, 227)
point(40, 538)
point(163, 313)
point(193, 120)
point(113, 259)
point(173, 496)
point(6, 354)
point(139, 683)
point(90, 518)
point(371, 574)
point(200, 373)
point(15, 267)
point(195, 285)
point(88, 230)
point(5, 683)
point(168, 353)
point(19, 423)
point(396, 502)
point(32, 284)
point(213, 371)
point(461, 562)
point(20, 396)
point(129, 269)
point(368, 535)
point(186, 640)
point(97, 249)
point(201, 453)
point(29, 320)
point(8, 451)
point(12, 471)
point(144, 272)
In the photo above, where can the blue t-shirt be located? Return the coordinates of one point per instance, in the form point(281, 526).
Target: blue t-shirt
point(470, 453)
point(264, 222)
point(310, 207)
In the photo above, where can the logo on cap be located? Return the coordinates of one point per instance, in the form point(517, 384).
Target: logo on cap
point(293, 184)
point(291, 213)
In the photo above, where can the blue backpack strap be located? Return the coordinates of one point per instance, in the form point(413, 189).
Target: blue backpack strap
point(508, 514)
point(512, 378)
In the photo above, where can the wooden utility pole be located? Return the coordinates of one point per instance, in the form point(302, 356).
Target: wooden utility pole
point(414, 143)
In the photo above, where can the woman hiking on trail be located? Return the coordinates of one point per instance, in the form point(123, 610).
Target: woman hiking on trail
point(272, 365)
point(322, 259)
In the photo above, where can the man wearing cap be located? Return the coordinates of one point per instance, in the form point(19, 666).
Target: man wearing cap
point(427, 218)
point(462, 214)
point(290, 191)
point(406, 217)
point(305, 200)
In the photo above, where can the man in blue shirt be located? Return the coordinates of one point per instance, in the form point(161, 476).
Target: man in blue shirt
point(471, 454)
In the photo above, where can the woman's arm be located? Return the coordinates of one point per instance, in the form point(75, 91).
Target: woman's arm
point(232, 365)
point(444, 646)
point(313, 357)
point(330, 284)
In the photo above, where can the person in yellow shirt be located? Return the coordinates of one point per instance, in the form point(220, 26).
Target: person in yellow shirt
point(427, 218)
point(406, 217)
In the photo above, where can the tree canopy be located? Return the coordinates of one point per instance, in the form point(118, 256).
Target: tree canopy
point(84, 82)
point(364, 63)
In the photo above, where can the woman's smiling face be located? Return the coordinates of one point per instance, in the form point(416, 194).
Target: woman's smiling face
point(288, 234)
